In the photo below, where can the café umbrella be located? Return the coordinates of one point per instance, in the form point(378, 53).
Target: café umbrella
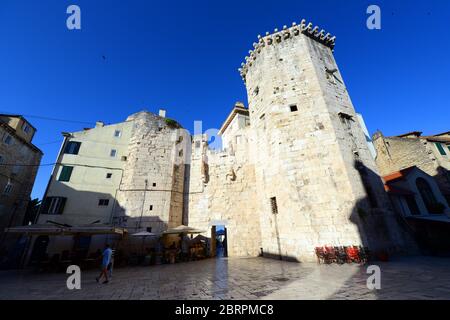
point(183, 229)
point(143, 235)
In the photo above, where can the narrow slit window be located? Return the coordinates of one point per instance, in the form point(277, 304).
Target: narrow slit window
point(273, 205)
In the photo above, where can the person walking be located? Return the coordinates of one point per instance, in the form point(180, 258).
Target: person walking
point(107, 254)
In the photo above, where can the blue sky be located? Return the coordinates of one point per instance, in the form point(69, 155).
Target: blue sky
point(184, 55)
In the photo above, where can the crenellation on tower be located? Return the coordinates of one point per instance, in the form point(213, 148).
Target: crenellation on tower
point(287, 32)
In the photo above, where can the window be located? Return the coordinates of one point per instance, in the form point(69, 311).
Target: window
point(8, 188)
point(197, 144)
point(8, 140)
point(117, 133)
point(180, 153)
point(440, 148)
point(72, 147)
point(293, 108)
point(123, 158)
point(273, 205)
point(154, 184)
point(108, 175)
point(103, 202)
point(66, 173)
point(427, 195)
point(151, 207)
point(1, 159)
point(26, 128)
point(53, 205)
point(113, 153)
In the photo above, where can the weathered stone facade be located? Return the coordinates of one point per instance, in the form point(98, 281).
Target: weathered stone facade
point(151, 191)
point(19, 162)
point(309, 156)
point(413, 149)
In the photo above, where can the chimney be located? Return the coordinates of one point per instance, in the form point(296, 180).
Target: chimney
point(99, 124)
point(162, 113)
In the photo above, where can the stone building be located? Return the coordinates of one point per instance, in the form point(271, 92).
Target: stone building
point(295, 171)
point(299, 173)
point(416, 173)
point(431, 154)
point(19, 162)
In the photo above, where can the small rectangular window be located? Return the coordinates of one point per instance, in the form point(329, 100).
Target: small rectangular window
point(441, 149)
point(8, 140)
point(117, 133)
point(293, 108)
point(73, 147)
point(108, 175)
point(66, 173)
point(151, 207)
point(1, 159)
point(103, 202)
point(26, 128)
point(154, 184)
point(180, 153)
point(273, 205)
point(113, 153)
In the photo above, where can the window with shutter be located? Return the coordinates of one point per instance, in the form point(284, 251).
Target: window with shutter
point(440, 148)
point(66, 173)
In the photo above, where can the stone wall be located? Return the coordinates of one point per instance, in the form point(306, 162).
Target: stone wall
point(20, 162)
point(151, 191)
point(222, 191)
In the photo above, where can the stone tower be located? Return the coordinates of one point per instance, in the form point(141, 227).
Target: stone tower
point(152, 186)
point(317, 183)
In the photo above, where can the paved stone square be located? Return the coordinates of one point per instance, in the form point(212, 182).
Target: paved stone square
point(242, 278)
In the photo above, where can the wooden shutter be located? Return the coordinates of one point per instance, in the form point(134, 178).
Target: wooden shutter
point(440, 148)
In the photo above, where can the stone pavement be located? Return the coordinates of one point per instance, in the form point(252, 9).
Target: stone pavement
point(242, 278)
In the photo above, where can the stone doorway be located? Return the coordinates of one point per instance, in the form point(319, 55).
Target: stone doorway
point(219, 243)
